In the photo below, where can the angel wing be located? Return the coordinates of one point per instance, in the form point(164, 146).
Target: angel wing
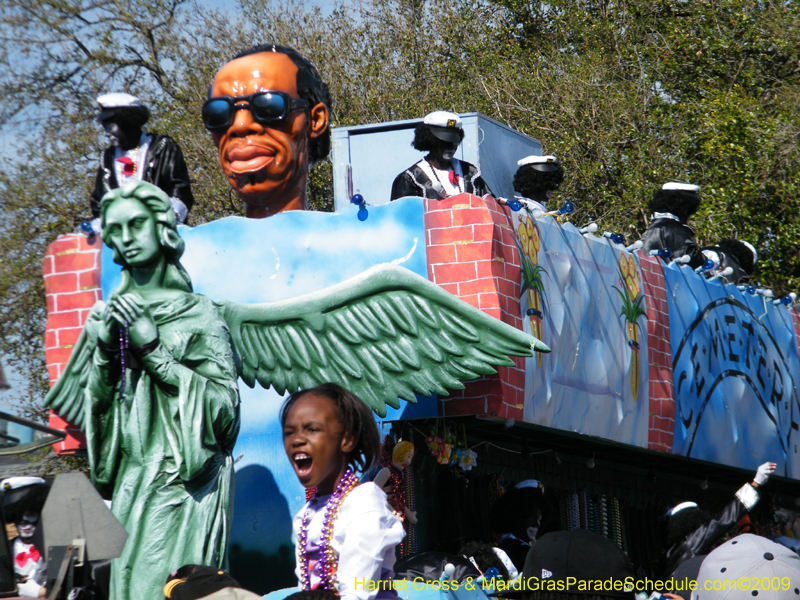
point(384, 334)
point(66, 396)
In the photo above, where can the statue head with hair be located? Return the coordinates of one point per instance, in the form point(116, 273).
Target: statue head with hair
point(140, 226)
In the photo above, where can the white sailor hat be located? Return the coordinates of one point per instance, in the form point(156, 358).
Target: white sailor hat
point(445, 125)
point(13, 483)
point(110, 102)
point(544, 163)
point(683, 187)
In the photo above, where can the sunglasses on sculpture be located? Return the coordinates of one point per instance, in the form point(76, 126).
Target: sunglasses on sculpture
point(268, 108)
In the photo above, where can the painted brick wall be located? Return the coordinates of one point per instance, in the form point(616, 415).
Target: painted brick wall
point(661, 432)
point(473, 255)
point(71, 272)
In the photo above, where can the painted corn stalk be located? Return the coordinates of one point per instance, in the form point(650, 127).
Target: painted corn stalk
point(528, 244)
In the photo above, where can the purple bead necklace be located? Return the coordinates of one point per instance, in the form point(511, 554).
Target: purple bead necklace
point(329, 561)
point(124, 344)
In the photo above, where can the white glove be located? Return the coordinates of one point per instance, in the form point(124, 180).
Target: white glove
point(96, 226)
point(180, 209)
point(763, 473)
point(29, 589)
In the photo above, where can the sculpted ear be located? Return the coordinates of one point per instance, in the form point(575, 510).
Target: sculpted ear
point(320, 118)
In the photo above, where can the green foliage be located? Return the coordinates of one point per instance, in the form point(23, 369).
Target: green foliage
point(631, 307)
point(627, 94)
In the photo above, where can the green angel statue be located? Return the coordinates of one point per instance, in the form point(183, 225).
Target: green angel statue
point(153, 377)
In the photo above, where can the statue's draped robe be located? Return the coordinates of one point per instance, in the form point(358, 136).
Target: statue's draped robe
point(164, 456)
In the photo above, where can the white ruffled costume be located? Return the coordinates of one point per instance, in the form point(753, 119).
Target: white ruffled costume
point(34, 571)
point(364, 537)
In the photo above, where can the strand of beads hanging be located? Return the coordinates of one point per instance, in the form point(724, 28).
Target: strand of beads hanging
point(328, 561)
point(124, 344)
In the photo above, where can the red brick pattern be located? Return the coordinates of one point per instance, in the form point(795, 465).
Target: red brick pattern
point(472, 253)
point(71, 272)
point(661, 432)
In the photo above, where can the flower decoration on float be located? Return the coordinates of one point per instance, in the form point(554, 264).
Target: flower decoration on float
point(468, 459)
point(459, 446)
point(435, 442)
point(632, 311)
point(528, 244)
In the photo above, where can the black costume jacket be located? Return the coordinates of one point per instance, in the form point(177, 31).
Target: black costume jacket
point(163, 166)
point(726, 259)
point(415, 182)
point(672, 234)
point(703, 539)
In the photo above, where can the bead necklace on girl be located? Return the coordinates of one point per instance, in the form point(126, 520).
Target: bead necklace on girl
point(346, 531)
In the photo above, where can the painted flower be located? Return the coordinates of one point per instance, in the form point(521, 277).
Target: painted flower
point(535, 242)
point(523, 235)
point(467, 460)
point(623, 265)
point(630, 277)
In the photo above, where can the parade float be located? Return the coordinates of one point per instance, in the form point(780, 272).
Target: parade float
point(659, 379)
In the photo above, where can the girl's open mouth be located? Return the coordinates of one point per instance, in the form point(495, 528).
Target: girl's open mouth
point(302, 464)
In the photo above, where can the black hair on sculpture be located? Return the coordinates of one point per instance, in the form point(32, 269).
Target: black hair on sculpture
point(310, 87)
point(129, 118)
point(530, 183)
point(681, 203)
point(685, 522)
point(425, 141)
point(742, 253)
point(484, 555)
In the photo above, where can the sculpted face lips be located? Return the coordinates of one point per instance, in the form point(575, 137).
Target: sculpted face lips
point(248, 159)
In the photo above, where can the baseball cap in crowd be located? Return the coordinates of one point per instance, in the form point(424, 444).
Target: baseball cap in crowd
point(580, 554)
point(741, 568)
point(192, 582)
point(445, 125)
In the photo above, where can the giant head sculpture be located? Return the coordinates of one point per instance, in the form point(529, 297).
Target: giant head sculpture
point(268, 112)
